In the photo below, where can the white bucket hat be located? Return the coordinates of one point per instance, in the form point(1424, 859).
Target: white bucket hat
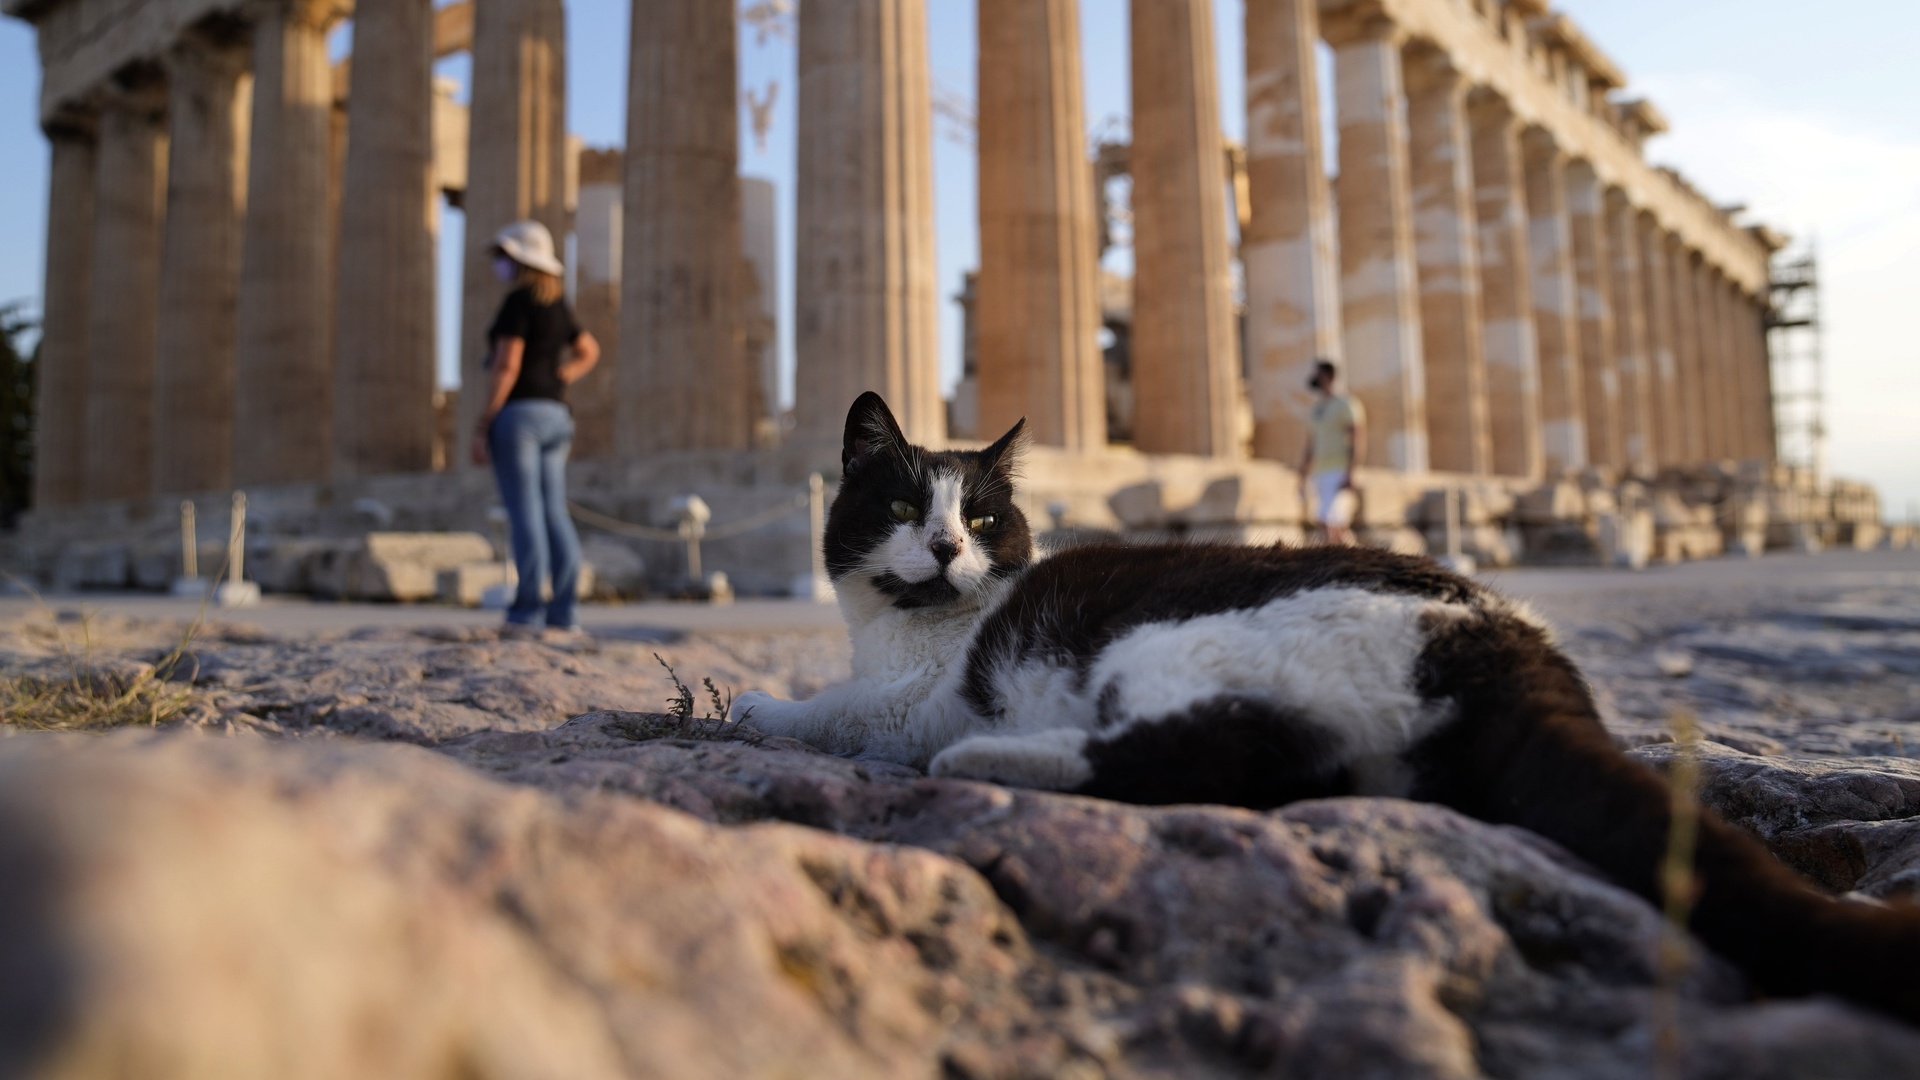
point(531, 245)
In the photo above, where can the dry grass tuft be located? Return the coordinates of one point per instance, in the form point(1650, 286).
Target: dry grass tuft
point(90, 697)
point(91, 701)
point(684, 719)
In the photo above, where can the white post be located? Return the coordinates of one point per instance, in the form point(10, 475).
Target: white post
point(1455, 559)
point(815, 585)
point(237, 591)
point(189, 583)
point(189, 543)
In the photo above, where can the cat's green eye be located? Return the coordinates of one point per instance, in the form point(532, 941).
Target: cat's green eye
point(981, 523)
point(904, 511)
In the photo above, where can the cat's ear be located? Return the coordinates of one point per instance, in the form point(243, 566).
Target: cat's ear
point(1007, 450)
point(871, 429)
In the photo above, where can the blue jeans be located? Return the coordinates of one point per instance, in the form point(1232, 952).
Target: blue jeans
point(529, 442)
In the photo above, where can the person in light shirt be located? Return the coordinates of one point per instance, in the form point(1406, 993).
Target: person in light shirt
point(1337, 429)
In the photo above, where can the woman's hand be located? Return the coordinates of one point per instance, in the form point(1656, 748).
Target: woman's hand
point(477, 450)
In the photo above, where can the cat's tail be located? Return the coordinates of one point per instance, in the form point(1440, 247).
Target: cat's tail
point(1529, 749)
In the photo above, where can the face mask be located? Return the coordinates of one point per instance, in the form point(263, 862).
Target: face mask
point(505, 269)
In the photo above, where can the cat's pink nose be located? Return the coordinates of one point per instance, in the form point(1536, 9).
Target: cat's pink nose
point(944, 551)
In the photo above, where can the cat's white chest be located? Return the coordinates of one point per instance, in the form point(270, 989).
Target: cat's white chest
point(907, 647)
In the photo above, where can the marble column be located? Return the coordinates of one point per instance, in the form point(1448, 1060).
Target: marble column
point(1446, 243)
point(1563, 424)
point(1288, 248)
point(1713, 387)
point(1737, 400)
point(1506, 290)
point(1766, 437)
point(130, 183)
point(1379, 285)
point(384, 364)
point(1664, 391)
point(684, 382)
point(865, 293)
point(1690, 448)
point(1639, 435)
point(516, 163)
point(283, 369)
point(208, 101)
point(1038, 306)
point(1600, 375)
point(599, 231)
point(60, 423)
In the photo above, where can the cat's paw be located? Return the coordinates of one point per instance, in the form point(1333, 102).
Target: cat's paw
point(757, 709)
point(1049, 760)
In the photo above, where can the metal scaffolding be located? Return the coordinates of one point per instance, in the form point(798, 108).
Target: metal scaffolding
point(1795, 354)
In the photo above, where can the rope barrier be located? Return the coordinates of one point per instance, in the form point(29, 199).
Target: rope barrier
point(644, 532)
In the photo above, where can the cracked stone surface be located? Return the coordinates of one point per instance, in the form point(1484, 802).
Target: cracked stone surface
point(447, 854)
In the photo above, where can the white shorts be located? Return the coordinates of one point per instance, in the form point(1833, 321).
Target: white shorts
point(1333, 504)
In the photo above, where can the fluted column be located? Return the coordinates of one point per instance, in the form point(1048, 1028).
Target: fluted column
point(599, 233)
point(1639, 435)
point(865, 295)
point(1681, 270)
point(516, 160)
point(1563, 423)
point(1664, 387)
point(1288, 246)
point(1186, 368)
point(383, 354)
point(1506, 291)
point(684, 379)
point(1600, 374)
point(1737, 399)
point(1765, 434)
point(1713, 371)
point(60, 422)
point(209, 96)
point(1038, 306)
point(1379, 286)
point(283, 369)
point(129, 205)
point(1446, 242)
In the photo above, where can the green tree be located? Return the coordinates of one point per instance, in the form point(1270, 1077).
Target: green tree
point(16, 412)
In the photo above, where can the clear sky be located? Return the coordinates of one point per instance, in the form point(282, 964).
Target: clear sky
point(1810, 118)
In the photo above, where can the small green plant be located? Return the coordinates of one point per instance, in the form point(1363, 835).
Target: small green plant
point(684, 718)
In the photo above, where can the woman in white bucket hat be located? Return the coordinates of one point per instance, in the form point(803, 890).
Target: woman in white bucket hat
point(535, 350)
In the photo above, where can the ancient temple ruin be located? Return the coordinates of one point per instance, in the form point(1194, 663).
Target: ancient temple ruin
point(240, 281)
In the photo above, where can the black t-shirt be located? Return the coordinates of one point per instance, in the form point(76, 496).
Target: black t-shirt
point(548, 330)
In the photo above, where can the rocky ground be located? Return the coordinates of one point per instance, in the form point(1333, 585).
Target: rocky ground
point(438, 853)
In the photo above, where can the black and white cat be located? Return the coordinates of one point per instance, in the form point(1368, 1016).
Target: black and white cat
point(1254, 677)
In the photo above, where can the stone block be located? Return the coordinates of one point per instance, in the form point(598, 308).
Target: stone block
point(1565, 543)
point(1625, 538)
point(468, 583)
point(286, 564)
point(1387, 500)
point(619, 573)
point(1470, 508)
point(395, 566)
point(1669, 510)
point(1140, 506)
point(1552, 502)
point(1399, 539)
point(90, 564)
point(1263, 496)
point(155, 565)
point(1802, 537)
point(1861, 535)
